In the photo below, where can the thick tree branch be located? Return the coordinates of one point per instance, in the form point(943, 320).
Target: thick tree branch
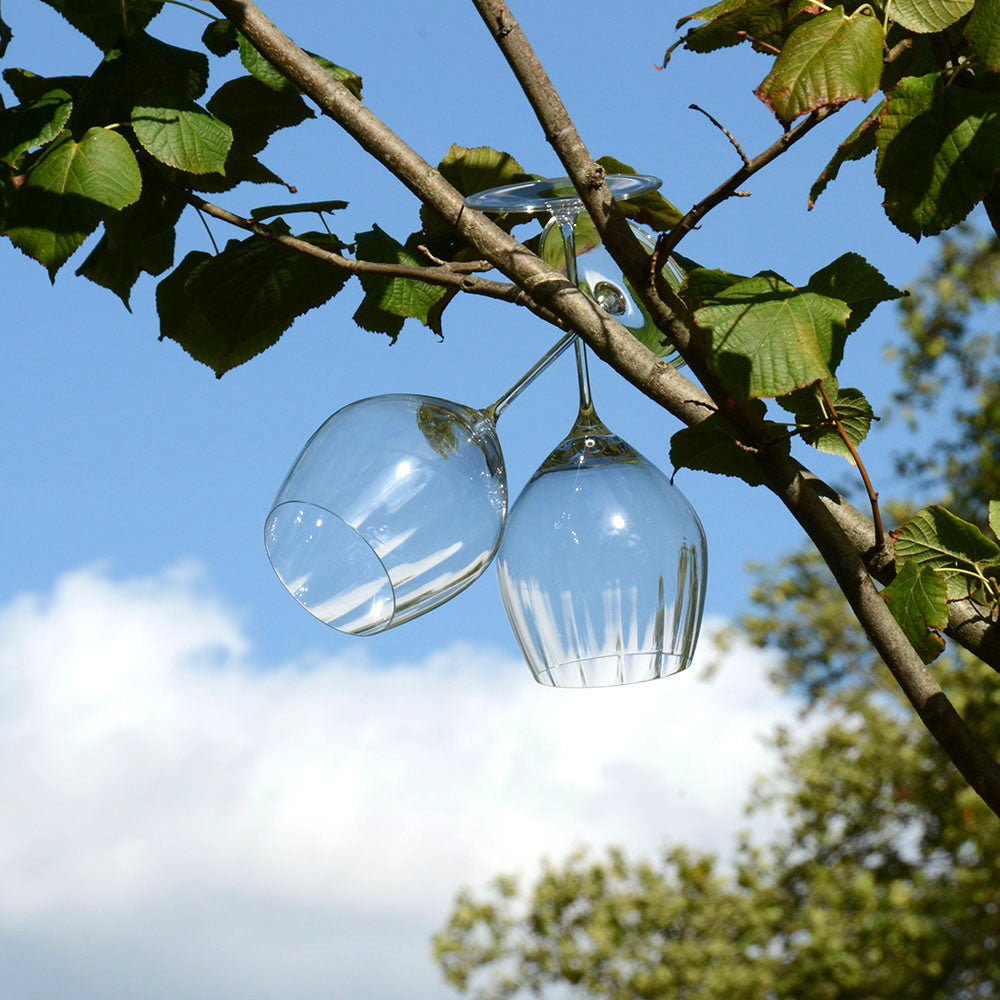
point(798, 490)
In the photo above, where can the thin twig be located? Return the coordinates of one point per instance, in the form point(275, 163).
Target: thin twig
point(872, 495)
point(722, 128)
point(729, 187)
point(204, 222)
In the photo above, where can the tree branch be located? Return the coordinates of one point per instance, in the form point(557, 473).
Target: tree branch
point(459, 276)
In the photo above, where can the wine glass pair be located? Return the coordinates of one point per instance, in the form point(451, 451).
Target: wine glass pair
point(399, 502)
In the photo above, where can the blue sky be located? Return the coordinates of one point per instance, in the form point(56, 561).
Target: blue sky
point(139, 599)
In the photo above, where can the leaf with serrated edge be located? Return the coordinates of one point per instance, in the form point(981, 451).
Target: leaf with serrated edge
point(256, 64)
point(764, 23)
point(181, 134)
point(935, 537)
point(649, 209)
point(25, 127)
point(470, 169)
point(105, 21)
point(918, 600)
point(67, 191)
point(712, 446)
point(995, 517)
point(825, 62)
point(225, 309)
point(767, 337)
point(923, 16)
point(859, 144)
point(810, 409)
point(406, 297)
point(853, 280)
point(938, 149)
point(983, 33)
point(139, 238)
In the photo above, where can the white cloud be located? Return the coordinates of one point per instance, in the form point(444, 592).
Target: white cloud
point(180, 821)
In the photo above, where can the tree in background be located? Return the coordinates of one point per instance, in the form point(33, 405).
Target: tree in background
point(885, 881)
point(136, 143)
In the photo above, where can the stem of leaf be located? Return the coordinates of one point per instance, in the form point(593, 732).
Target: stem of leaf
point(208, 230)
point(872, 495)
point(197, 10)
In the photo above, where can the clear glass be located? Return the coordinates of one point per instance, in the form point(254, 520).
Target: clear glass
point(602, 565)
point(396, 504)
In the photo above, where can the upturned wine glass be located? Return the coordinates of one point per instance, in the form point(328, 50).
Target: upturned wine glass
point(394, 505)
point(602, 565)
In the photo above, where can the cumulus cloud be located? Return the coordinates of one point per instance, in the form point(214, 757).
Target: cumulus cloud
point(180, 820)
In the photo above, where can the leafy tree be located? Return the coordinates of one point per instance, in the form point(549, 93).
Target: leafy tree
point(886, 884)
point(130, 147)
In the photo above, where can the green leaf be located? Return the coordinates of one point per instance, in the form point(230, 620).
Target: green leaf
point(859, 144)
point(220, 37)
point(995, 517)
point(762, 22)
point(983, 33)
point(181, 134)
point(815, 419)
point(701, 285)
point(35, 124)
point(769, 338)
point(66, 192)
point(714, 446)
point(5, 37)
point(938, 150)
point(468, 170)
point(139, 238)
point(918, 600)
point(650, 209)
point(404, 297)
point(853, 280)
point(955, 548)
point(254, 112)
point(375, 320)
point(928, 15)
point(105, 21)
point(225, 309)
point(29, 87)
point(270, 211)
point(825, 62)
point(259, 67)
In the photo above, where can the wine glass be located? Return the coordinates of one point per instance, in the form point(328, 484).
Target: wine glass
point(602, 565)
point(394, 505)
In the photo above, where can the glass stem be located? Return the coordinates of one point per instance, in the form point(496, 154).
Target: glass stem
point(566, 221)
point(494, 410)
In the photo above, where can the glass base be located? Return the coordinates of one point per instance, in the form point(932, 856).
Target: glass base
point(533, 197)
point(612, 671)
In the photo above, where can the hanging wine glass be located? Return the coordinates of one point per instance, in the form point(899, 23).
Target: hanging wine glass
point(602, 566)
point(394, 505)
